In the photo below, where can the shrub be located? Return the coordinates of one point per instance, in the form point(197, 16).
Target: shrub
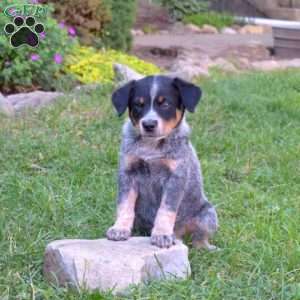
point(25, 68)
point(88, 17)
point(91, 66)
point(99, 22)
point(178, 8)
point(117, 33)
point(212, 18)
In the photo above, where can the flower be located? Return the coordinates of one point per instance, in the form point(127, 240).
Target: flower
point(58, 58)
point(62, 25)
point(12, 11)
point(35, 1)
point(72, 31)
point(43, 35)
point(90, 66)
point(34, 57)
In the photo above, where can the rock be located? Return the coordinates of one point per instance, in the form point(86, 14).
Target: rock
point(228, 30)
point(137, 32)
point(193, 28)
point(243, 63)
point(124, 74)
point(291, 63)
point(104, 265)
point(35, 99)
point(87, 87)
point(267, 65)
point(270, 65)
point(188, 71)
point(252, 29)
point(208, 29)
point(191, 64)
point(163, 32)
point(224, 65)
point(5, 107)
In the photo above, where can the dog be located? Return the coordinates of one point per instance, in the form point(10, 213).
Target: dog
point(160, 186)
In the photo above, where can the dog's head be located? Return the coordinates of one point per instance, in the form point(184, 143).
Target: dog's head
point(156, 104)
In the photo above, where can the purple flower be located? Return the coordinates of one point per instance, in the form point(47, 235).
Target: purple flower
point(72, 31)
point(43, 35)
point(34, 57)
point(62, 25)
point(12, 12)
point(35, 1)
point(58, 58)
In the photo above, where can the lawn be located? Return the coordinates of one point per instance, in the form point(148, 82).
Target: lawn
point(57, 180)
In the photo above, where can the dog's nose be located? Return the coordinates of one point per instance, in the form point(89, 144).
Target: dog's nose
point(149, 125)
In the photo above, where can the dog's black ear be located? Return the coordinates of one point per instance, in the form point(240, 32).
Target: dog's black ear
point(121, 96)
point(190, 94)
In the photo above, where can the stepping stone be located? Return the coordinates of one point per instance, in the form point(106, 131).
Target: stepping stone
point(107, 265)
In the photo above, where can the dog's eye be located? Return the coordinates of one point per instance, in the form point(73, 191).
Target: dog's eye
point(165, 104)
point(161, 100)
point(140, 102)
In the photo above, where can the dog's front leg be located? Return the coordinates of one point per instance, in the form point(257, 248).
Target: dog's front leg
point(163, 230)
point(127, 196)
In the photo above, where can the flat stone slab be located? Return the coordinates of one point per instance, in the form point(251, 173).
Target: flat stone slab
point(109, 265)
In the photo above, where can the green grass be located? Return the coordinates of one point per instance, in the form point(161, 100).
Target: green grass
point(211, 18)
point(57, 180)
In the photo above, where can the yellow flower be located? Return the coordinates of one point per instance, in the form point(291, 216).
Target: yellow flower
point(92, 66)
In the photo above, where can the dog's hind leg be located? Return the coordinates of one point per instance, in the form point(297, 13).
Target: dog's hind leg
point(205, 225)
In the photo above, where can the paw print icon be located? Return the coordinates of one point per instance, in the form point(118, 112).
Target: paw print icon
point(24, 31)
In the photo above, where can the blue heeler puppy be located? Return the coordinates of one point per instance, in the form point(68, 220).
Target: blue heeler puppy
point(160, 183)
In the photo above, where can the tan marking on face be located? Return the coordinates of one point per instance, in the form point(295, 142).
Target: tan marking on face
point(129, 161)
point(125, 211)
point(160, 99)
point(164, 221)
point(133, 120)
point(172, 164)
point(141, 100)
point(168, 126)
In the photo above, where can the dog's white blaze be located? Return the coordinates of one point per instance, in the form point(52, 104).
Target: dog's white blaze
point(152, 114)
point(154, 90)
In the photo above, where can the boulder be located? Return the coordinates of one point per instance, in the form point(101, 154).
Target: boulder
point(5, 107)
point(124, 74)
point(209, 29)
point(193, 28)
point(107, 265)
point(36, 99)
point(270, 65)
point(252, 29)
point(267, 65)
point(228, 30)
point(223, 65)
point(137, 32)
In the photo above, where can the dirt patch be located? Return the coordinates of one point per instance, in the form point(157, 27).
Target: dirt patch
point(162, 57)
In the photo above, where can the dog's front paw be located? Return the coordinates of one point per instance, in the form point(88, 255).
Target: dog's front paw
point(163, 241)
point(117, 234)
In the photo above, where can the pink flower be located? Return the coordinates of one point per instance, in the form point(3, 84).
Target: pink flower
point(43, 35)
point(12, 12)
point(35, 1)
point(34, 57)
point(58, 58)
point(62, 25)
point(72, 31)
